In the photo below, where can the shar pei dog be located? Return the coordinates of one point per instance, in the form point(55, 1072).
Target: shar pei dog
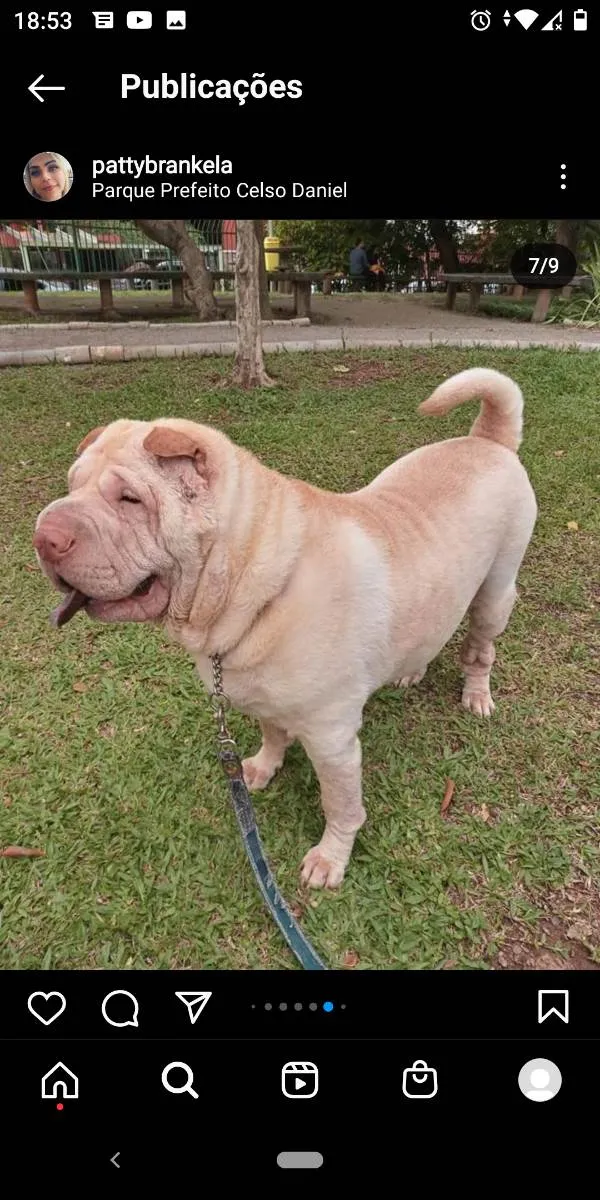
point(312, 599)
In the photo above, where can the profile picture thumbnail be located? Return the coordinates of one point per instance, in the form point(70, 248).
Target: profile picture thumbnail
point(48, 176)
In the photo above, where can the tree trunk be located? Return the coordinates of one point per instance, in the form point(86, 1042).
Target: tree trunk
point(445, 246)
point(567, 234)
point(198, 285)
point(249, 368)
point(265, 305)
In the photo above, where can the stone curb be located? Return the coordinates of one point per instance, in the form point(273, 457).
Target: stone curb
point(71, 355)
point(34, 325)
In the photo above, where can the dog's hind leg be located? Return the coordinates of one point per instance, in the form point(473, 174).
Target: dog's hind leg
point(489, 615)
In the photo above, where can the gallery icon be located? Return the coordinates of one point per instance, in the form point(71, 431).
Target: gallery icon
point(419, 1082)
point(540, 1079)
point(60, 1083)
point(176, 18)
point(195, 1003)
point(553, 1003)
point(46, 1006)
point(300, 1080)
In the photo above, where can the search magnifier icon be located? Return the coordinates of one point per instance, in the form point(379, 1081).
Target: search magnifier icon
point(186, 1087)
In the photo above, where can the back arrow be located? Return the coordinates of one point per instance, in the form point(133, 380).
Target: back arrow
point(114, 1160)
point(35, 91)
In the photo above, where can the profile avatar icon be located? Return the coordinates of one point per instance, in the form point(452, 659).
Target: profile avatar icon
point(48, 176)
point(540, 1079)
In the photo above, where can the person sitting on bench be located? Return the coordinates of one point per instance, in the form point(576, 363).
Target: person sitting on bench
point(359, 267)
point(377, 274)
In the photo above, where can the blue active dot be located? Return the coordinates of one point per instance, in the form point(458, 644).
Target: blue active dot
point(328, 1006)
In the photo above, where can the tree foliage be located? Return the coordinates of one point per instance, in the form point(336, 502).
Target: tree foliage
point(406, 246)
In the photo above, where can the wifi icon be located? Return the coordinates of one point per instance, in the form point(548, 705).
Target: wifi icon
point(526, 17)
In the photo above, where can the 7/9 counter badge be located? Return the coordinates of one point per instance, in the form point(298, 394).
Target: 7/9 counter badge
point(420, 1082)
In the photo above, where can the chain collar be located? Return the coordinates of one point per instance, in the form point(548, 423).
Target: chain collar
point(230, 760)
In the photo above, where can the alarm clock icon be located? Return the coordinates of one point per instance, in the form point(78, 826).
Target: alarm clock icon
point(481, 19)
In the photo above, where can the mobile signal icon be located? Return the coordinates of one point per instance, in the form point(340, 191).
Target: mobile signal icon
point(526, 17)
point(555, 23)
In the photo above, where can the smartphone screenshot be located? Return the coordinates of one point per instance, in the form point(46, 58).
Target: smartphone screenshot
point(299, 807)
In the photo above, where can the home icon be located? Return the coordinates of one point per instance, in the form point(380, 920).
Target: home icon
point(60, 1083)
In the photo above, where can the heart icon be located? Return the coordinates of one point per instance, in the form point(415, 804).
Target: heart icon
point(47, 1007)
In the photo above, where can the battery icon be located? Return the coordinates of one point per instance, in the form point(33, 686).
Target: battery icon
point(580, 19)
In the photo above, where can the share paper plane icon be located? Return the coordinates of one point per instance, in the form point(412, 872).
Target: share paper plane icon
point(195, 1003)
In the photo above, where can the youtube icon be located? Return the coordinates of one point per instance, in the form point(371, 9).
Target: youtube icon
point(139, 18)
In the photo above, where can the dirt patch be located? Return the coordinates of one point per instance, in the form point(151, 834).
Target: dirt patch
point(564, 939)
point(393, 310)
point(553, 954)
point(150, 309)
point(368, 372)
point(358, 373)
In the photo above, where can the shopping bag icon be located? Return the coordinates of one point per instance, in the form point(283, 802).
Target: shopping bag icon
point(419, 1082)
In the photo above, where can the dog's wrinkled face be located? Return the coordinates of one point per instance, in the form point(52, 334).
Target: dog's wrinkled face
point(122, 543)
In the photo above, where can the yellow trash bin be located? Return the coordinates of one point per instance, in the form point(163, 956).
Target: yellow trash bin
point(271, 244)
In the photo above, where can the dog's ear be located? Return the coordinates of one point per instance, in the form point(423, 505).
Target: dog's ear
point(173, 443)
point(89, 438)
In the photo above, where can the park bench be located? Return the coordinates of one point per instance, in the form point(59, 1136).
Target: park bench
point(476, 280)
point(301, 283)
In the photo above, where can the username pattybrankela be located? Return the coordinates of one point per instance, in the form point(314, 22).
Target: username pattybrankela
point(243, 190)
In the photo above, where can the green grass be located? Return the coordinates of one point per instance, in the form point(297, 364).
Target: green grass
point(107, 758)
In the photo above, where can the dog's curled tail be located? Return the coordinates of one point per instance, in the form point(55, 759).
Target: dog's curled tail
point(501, 414)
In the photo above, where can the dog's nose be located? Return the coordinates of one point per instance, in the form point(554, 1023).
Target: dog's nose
point(52, 542)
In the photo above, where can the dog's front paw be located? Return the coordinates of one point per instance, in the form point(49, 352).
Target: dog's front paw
point(256, 774)
point(406, 680)
point(319, 871)
point(478, 701)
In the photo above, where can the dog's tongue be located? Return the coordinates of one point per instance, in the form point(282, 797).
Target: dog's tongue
point(67, 608)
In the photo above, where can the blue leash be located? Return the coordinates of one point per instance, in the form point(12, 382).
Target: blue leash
point(242, 807)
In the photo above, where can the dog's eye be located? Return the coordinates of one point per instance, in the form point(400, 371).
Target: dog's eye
point(130, 499)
